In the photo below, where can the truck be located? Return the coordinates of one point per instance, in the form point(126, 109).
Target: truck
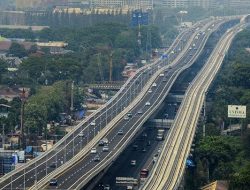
point(160, 135)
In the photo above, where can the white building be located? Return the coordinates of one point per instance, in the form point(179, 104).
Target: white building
point(131, 4)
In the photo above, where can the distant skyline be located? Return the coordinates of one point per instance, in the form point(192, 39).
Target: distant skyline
point(29, 4)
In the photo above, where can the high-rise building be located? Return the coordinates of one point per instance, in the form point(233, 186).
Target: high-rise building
point(133, 4)
point(175, 3)
point(192, 3)
point(239, 3)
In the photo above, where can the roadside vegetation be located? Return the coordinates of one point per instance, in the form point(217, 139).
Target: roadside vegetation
point(50, 76)
point(220, 157)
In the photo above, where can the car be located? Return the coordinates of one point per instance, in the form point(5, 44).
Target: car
point(143, 149)
point(140, 112)
point(101, 143)
point(155, 158)
point(133, 162)
point(129, 114)
point(106, 187)
point(148, 143)
point(150, 90)
point(97, 158)
point(162, 75)
point(129, 187)
point(147, 104)
point(105, 148)
point(93, 151)
point(135, 147)
point(81, 134)
point(53, 165)
point(190, 48)
point(164, 80)
point(53, 182)
point(120, 132)
point(92, 123)
point(105, 140)
point(194, 45)
point(126, 117)
point(154, 84)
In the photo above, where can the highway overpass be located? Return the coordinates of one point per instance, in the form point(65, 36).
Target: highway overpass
point(168, 171)
point(84, 169)
point(71, 154)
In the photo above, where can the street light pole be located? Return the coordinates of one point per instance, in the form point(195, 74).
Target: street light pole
point(21, 138)
point(72, 98)
point(204, 117)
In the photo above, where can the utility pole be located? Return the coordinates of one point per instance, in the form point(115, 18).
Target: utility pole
point(3, 136)
point(72, 98)
point(21, 137)
point(204, 116)
point(111, 67)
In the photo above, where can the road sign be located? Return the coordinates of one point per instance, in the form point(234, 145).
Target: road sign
point(236, 111)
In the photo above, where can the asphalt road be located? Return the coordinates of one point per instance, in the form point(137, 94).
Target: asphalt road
point(82, 170)
point(34, 172)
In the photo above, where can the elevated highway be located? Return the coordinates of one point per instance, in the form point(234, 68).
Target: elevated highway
point(71, 154)
point(70, 145)
point(84, 168)
point(169, 169)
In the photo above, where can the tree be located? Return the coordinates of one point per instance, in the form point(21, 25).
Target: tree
point(17, 50)
point(241, 180)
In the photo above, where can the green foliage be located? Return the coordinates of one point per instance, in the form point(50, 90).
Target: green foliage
point(46, 105)
point(226, 157)
point(17, 50)
point(3, 68)
point(241, 179)
point(233, 84)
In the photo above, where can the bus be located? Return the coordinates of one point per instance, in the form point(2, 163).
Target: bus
point(144, 174)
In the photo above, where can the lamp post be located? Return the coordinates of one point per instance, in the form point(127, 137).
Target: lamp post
point(21, 138)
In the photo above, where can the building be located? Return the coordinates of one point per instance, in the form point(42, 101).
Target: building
point(130, 4)
point(239, 3)
point(175, 3)
point(193, 3)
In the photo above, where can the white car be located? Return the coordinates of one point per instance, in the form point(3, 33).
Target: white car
point(154, 84)
point(81, 134)
point(92, 123)
point(140, 112)
point(150, 90)
point(126, 117)
point(105, 148)
point(147, 104)
point(133, 162)
point(93, 151)
point(162, 75)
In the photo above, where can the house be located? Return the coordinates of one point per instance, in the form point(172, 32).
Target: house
point(8, 94)
point(4, 110)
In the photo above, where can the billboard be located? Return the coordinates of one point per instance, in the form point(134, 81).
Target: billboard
point(139, 18)
point(236, 111)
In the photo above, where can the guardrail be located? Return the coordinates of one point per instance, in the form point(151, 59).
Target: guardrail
point(102, 133)
point(149, 182)
point(60, 142)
